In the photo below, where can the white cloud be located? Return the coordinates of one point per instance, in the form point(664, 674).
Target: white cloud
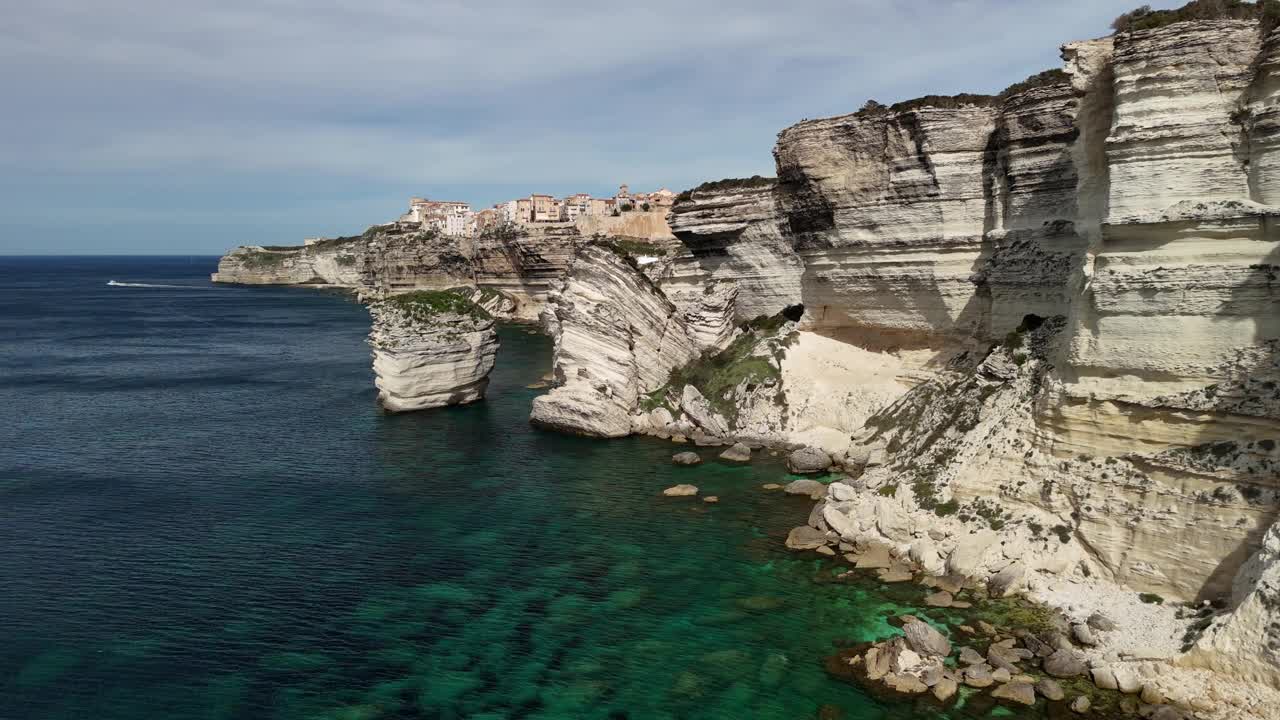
point(483, 92)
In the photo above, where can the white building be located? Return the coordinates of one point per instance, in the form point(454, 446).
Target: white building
point(510, 211)
point(458, 223)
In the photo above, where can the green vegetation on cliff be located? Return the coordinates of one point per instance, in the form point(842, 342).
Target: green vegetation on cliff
point(425, 305)
point(260, 260)
point(1053, 76)
point(755, 181)
point(1144, 18)
point(749, 359)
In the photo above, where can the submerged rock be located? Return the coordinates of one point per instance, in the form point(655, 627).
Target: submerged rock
point(686, 458)
point(1050, 689)
point(431, 349)
point(806, 538)
point(812, 488)
point(681, 491)
point(1016, 692)
point(1065, 664)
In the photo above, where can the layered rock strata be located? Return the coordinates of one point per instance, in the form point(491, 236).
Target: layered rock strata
point(333, 262)
point(617, 337)
point(519, 261)
point(1108, 230)
point(431, 349)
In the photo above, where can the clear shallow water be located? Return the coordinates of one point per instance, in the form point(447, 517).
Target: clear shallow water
point(203, 514)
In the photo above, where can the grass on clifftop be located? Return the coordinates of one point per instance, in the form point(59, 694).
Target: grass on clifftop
point(258, 260)
point(1144, 18)
point(426, 304)
point(755, 181)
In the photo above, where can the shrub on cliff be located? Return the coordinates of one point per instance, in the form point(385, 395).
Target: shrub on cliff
point(1144, 18)
point(1053, 76)
point(426, 304)
point(727, 184)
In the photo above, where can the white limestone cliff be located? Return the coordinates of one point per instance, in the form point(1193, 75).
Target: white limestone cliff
point(431, 349)
point(1246, 642)
point(617, 337)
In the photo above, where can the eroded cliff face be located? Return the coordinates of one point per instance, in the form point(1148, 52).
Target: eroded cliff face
point(518, 261)
point(431, 350)
point(333, 262)
point(1109, 231)
point(617, 337)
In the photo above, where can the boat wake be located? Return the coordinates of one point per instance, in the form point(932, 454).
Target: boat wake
point(117, 283)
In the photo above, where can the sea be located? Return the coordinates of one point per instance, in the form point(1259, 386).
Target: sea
point(205, 514)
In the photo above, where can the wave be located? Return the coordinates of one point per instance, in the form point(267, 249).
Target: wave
point(117, 283)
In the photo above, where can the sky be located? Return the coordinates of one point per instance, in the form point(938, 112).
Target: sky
point(179, 127)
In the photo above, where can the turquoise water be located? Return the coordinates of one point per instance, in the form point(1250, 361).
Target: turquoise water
point(205, 515)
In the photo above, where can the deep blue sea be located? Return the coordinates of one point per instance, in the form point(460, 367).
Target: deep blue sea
point(204, 514)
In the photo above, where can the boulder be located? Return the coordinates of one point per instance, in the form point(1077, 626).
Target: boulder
point(876, 556)
point(1015, 692)
point(1001, 675)
point(895, 574)
point(904, 683)
point(808, 461)
point(969, 656)
point(978, 676)
point(1083, 634)
point(1127, 679)
point(815, 517)
point(805, 538)
point(926, 640)
point(1050, 689)
point(1065, 664)
point(906, 659)
point(1007, 581)
point(996, 659)
point(686, 458)
point(681, 491)
point(811, 488)
point(738, 452)
point(1080, 704)
point(699, 410)
point(839, 522)
point(711, 499)
point(1151, 694)
point(842, 492)
point(1098, 621)
point(945, 689)
point(942, 599)
point(1104, 678)
point(967, 556)
point(877, 663)
point(1038, 647)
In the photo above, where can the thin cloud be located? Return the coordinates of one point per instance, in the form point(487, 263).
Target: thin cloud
point(405, 95)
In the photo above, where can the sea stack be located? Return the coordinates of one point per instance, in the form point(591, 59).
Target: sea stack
point(431, 349)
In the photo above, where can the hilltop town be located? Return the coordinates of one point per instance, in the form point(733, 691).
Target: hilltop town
point(459, 220)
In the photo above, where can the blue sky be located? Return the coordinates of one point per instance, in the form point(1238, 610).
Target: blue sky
point(177, 127)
